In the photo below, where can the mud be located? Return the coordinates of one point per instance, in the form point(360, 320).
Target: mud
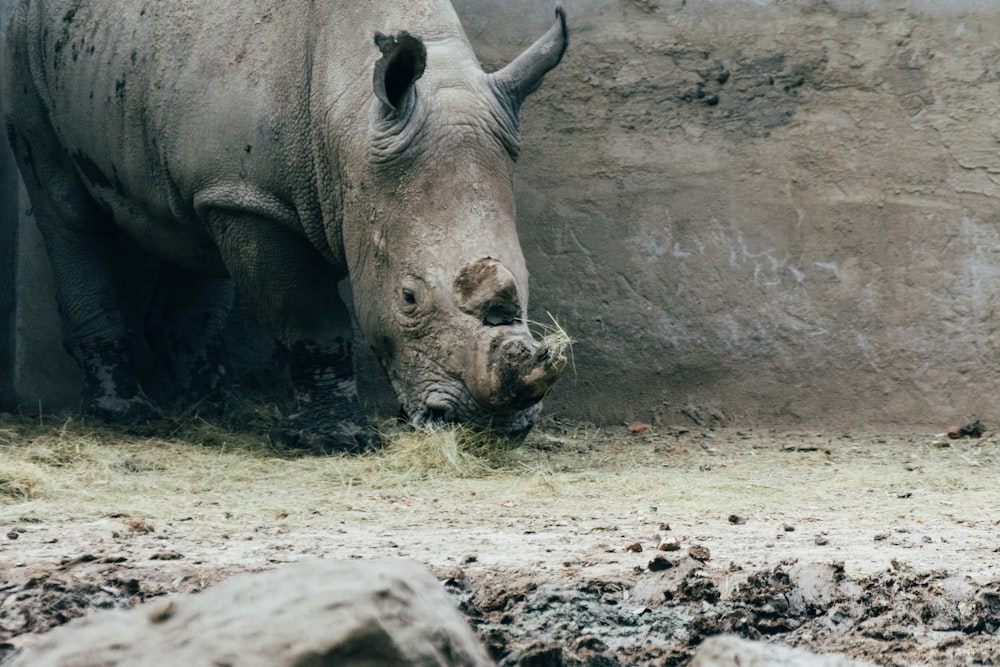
point(897, 617)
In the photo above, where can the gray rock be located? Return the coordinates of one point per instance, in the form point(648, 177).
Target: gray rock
point(730, 651)
point(358, 613)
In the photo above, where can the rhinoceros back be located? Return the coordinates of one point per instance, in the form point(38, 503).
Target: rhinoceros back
point(165, 109)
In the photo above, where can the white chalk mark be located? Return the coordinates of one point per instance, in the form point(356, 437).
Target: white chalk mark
point(831, 267)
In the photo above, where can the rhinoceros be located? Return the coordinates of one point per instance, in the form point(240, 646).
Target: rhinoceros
point(288, 146)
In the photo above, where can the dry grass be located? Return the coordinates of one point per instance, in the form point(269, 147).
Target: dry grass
point(56, 468)
point(79, 469)
point(70, 469)
point(552, 336)
point(20, 481)
point(437, 451)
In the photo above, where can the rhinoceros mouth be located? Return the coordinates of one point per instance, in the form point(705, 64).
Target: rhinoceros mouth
point(456, 404)
point(436, 408)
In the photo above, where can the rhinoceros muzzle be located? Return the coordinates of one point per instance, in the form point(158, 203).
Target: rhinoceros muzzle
point(493, 373)
point(517, 371)
point(509, 375)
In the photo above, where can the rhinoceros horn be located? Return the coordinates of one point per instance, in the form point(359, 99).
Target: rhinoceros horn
point(524, 74)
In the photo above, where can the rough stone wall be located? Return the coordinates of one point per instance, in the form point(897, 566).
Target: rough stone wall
point(744, 210)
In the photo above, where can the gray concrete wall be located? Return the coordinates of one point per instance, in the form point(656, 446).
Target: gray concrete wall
point(770, 212)
point(749, 211)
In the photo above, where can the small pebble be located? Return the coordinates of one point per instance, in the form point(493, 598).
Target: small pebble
point(659, 564)
point(698, 552)
point(162, 612)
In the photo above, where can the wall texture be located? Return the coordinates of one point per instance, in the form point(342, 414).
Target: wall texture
point(784, 212)
point(763, 212)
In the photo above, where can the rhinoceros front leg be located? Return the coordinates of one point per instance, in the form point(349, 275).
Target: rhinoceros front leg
point(184, 327)
point(295, 292)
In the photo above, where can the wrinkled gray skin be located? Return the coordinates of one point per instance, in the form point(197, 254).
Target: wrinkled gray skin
point(289, 145)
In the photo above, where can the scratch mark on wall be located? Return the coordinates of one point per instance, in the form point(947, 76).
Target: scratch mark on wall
point(866, 348)
point(981, 274)
point(831, 267)
point(800, 215)
point(647, 246)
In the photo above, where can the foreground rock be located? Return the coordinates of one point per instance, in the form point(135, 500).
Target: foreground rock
point(731, 651)
point(383, 612)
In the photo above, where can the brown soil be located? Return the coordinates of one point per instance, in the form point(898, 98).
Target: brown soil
point(585, 547)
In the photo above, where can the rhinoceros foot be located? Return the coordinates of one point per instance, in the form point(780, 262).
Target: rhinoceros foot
point(300, 432)
point(136, 409)
point(111, 391)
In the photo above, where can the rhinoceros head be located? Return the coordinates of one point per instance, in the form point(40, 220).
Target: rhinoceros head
point(439, 279)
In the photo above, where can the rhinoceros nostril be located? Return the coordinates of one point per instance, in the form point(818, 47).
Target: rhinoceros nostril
point(500, 314)
point(436, 415)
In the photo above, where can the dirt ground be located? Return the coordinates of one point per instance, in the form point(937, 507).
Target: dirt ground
point(584, 546)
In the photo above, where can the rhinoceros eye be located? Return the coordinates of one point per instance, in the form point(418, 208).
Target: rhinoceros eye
point(412, 301)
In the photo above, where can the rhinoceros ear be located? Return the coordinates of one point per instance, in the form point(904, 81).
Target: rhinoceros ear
point(402, 63)
point(523, 76)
